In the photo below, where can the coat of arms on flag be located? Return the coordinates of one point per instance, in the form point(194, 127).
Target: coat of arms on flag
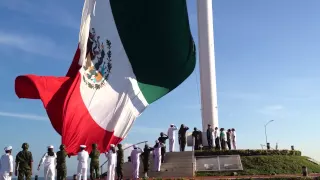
point(98, 61)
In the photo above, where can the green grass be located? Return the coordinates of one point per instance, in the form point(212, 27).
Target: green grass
point(247, 152)
point(268, 165)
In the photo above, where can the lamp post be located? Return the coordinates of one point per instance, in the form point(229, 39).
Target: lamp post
point(265, 131)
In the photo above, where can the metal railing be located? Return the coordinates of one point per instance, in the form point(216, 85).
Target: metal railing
point(214, 163)
point(101, 166)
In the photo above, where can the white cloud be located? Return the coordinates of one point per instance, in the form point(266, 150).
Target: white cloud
point(241, 95)
point(32, 44)
point(272, 110)
point(192, 106)
point(146, 130)
point(24, 116)
point(43, 11)
point(275, 107)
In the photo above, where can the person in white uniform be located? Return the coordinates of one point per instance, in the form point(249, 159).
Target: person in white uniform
point(171, 135)
point(6, 164)
point(112, 162)
point(234, 138)
point(157, 156)
point(217, 138)
point(49, 164)
point(135, 160)
point(83, 157)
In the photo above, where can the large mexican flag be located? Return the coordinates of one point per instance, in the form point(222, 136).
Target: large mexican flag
point(130, 53)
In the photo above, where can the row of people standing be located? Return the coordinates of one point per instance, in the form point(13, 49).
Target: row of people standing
point(169, 136)
point(24, 158)
point(114, 165)
point(52, 161)
point(115, 162)
point(56, 162)
point(137, 152)
point(221, 139)
point(159, 150)
point(24, 163)
point(215, 138)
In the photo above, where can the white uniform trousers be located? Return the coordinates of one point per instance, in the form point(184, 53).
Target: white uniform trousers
point(49, 172)
point(157, 163)
point(5, 176)
point(171, 145)
point(135, 168)
point(82, 172)
point(234, 144)
point(111, 172)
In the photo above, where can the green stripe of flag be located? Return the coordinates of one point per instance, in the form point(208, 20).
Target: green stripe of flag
point(157, 39)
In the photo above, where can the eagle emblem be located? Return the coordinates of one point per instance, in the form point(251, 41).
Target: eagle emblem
point(98, 63)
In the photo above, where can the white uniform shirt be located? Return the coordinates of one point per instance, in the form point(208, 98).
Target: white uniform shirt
point(48, 161)
point(6, 164)
point(83, 157)
point(112, 158)
point(135, 155)
point(216, 133)
point(171, 132)
point(157, 150)
point(233, 136)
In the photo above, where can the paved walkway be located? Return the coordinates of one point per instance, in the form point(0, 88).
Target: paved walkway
point(248, 177)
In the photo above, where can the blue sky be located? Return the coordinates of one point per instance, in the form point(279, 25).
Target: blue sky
point(267, 63)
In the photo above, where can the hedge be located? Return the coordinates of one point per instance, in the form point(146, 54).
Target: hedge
point(248, 152)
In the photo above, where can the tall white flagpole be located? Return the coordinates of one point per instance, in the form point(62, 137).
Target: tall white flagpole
point(207, 65)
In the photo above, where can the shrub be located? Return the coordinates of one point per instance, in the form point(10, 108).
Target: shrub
point(248, 152)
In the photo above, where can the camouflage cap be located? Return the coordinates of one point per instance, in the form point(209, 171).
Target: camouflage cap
point(94, 145)
point(25, 146)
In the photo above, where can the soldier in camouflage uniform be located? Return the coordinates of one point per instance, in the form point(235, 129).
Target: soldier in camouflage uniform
point(61, 163)
point(24, 162)
point(120, 162)
point(145, 159)
point(94, 164)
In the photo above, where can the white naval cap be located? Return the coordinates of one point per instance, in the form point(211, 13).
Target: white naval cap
point(50, 147)
point(134, 146)
point(157, 141)
point(112, 145)
point(8, 148)
point(83, 146)
point(171, 124)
